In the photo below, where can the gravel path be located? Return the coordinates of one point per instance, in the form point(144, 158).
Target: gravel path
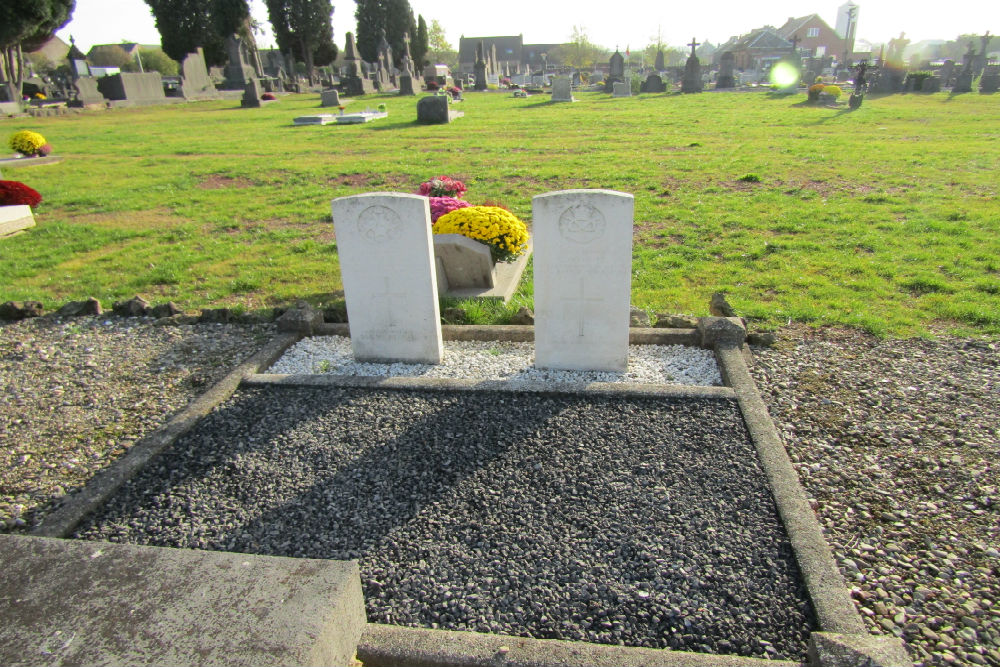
point(639, 522)
point(897, 442)
point(905, 480)
point(77, 393)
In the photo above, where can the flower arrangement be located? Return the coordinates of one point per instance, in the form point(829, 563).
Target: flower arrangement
point(29, 143)
point(381, 107)
point(432, 85)
point(443, 205)
point(40, 96)
point(501, 230)
point(442, 186)
point(268, 97)
point(454, 91)
point(833, 90)
point(15, 193)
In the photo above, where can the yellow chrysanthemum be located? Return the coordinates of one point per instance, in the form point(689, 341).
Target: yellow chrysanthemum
point(26, 142)
point(496, 227)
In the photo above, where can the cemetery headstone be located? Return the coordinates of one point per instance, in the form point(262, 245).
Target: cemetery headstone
point(329, 98)
point(653, 84)
point(132, 89)
point(251, 94)
point(616, 71)
point(195, 83)
point(621, 89)
point(462, 262)
point(583, 268)
point(963, 81)
point(14, 219)
point(947, 69)
point(727, 64)
point(562, 90)
point(692, 81)
point(658, 64)
point(931, 84)
point(480, 67)
point(434, 110)
point(989, 82)
point(355, 80)
point(238, 70)
point(87, 93)
point(388, 270)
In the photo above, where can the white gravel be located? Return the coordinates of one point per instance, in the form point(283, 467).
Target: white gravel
point(514, 362)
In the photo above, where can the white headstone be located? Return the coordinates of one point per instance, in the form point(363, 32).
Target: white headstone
point(562, 90)
point(388, 271)
point(583, 279)
point(621, 89)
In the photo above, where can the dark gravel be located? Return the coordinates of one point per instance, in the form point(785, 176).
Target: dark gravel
point(644, 522)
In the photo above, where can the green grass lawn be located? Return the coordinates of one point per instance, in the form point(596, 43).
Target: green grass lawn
point(885, 218)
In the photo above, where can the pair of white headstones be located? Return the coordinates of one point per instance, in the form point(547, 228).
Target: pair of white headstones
point(582, 278)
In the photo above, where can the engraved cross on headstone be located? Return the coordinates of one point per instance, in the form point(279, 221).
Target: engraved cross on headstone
point(384, 301)
point(693, 44)
point(582, 301)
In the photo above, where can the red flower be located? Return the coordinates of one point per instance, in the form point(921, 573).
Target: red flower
point(442, 205)
point(442, 186)
point(15, 193)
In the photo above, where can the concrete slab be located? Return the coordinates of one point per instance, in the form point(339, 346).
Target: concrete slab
point(67, 602)
point(506, 277)
point(14, 219)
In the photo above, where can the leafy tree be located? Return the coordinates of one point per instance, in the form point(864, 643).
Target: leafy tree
point(24, 25)
point(579, 52)
point(440, 51)
point(184, 25)
point(304, 27)
point(155, 60)
point(418, 49)
point(109, 55)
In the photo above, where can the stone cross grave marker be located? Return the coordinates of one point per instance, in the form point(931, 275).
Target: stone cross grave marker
point(388, 270)
point(583, 272)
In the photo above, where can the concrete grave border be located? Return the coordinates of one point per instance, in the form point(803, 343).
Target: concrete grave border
point(840, 641)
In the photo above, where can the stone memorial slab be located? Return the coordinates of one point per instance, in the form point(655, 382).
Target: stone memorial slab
point(462, 262)
point(14, 219)
point(87, 93)
point(251, 95)
point(562, 90)
point(315, 119)
point(132, 89)
point(583, 271)
point(195, 82)
point(329, 98)
point(621, 89)
point(388, 270)
point(434, 110)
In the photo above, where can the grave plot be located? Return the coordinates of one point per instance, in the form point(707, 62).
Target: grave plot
point(641, 521)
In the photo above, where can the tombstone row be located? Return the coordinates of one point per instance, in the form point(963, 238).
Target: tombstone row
point(582, 269)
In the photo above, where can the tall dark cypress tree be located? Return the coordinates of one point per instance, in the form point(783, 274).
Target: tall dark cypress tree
point(370, 15)
point(304, 28)
point(25, 24)
point(418, 49)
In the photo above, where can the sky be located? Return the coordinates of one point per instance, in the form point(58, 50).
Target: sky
point(623, 23)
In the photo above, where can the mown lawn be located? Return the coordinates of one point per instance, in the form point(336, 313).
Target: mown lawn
point(885, 218)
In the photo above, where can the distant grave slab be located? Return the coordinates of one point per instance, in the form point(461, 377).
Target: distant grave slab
point(14, 219)
point(6, 163)
point(315, 119)
point(360, 117)
point(622, 89)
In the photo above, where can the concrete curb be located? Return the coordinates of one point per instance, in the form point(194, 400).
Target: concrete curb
point(831, 600)
point(517, 333)
point(64, 520)
point(394, 646)
point(458, 384)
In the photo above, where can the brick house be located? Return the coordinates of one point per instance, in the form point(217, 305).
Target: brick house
point(816, 38)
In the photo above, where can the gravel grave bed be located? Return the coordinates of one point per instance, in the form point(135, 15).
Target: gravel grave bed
point(507, 361)
point(78, 392)
point(644, 522)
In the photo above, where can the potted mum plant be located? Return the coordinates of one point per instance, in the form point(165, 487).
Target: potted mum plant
point(29, 144)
